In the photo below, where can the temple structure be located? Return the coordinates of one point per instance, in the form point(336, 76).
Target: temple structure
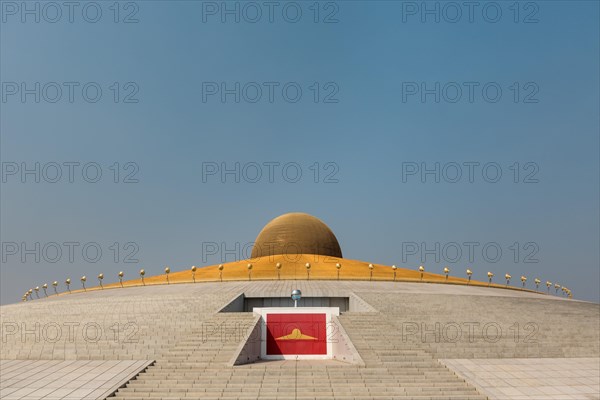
point(298, 320)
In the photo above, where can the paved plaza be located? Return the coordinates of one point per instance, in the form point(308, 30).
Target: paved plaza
point(532, 378)
point(58, 380)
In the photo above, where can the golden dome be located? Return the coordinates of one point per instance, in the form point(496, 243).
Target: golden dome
point(296, 233)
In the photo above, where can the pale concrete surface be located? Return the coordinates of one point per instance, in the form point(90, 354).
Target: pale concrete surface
point(472, 326)
point(142, 322)
point(532, 378)
point(178, 326)
point(57, 380)
point(197, 369)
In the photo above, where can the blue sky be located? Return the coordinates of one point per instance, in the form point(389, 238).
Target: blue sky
point(361, 121)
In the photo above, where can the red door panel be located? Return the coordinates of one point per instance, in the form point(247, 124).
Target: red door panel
point(296, 334)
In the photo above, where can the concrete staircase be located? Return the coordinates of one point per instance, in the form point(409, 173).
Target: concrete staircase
point(409, 368)
point(197, 368)
point(492, 327)
point(106, 324)
point(197, 363)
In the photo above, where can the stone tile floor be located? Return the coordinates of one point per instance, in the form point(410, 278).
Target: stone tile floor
point(54, 380)
point(531, 378)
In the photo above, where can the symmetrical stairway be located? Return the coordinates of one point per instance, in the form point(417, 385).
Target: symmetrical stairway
point(197, 368)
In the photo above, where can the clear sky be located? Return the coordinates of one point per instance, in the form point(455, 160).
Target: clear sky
point(400, 116)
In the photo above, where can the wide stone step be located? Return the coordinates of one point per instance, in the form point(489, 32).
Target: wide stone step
point(402, 359)
point(286, 396)
point(394, 369)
